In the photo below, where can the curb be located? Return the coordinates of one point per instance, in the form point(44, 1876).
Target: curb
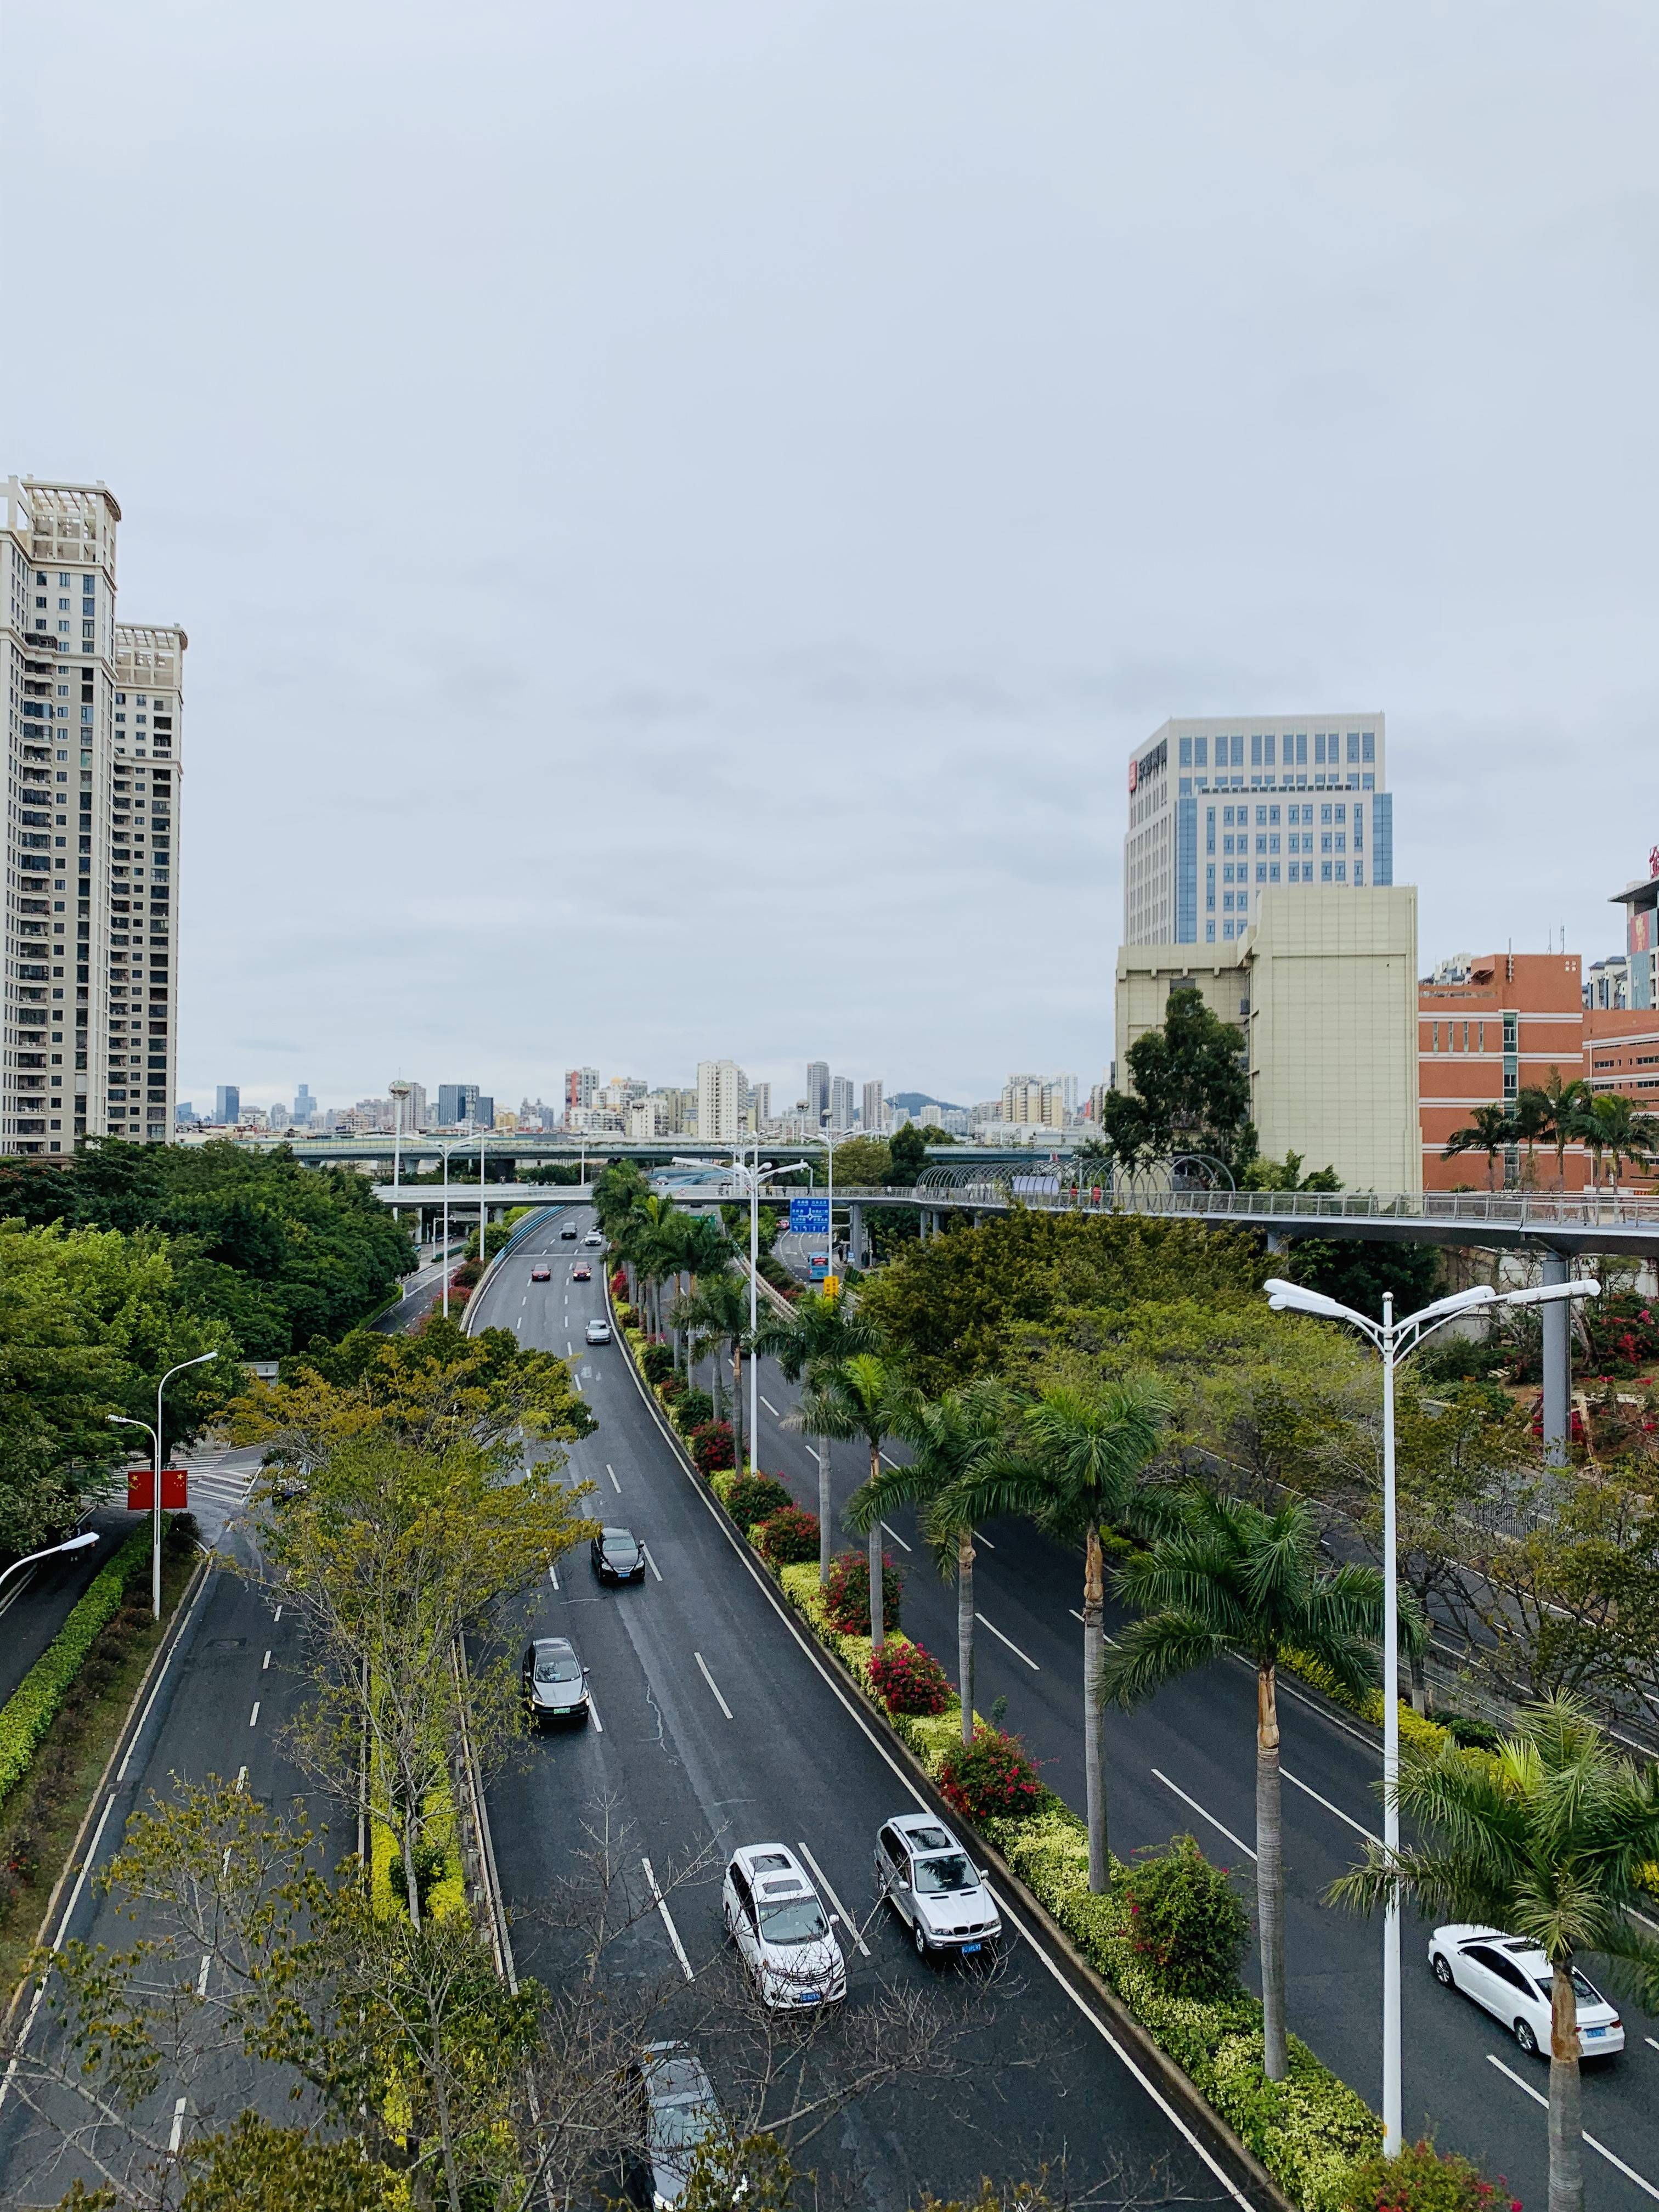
point(135, 1711)
point(1171, 2086)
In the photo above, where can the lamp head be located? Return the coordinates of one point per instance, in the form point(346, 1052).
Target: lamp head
point(80, 1543)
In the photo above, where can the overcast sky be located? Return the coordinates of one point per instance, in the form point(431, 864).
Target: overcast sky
point(682, 510)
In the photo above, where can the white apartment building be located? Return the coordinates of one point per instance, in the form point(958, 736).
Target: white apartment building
point(874, 1116)
point(1029, 1102)
point(841, 1102)
point(93, 707)
point(1223, 808)
point(722, 1100)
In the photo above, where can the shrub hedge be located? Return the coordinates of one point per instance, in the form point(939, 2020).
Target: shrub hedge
point(712, 1448)
point(848, 1597)
point(754, 1497)
point(909, 1680)
point(32, 1705)
point(787, 1537)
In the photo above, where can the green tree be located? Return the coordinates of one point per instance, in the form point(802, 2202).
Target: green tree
point(1534, 1118)
point(1233, 1579)
point(1609, 1123)
point(718, 1310)
point(1357, 1273)
point(949, 1439)
point(907, 1156)
point(820, 1331)
point(1490, 1130)
point(1192, 1090)
point(1077, 1465)
point(1263, 1174)
point(1549, 1841)
point(861, 1395)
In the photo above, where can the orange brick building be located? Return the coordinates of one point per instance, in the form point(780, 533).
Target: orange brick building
point(1490, 1027)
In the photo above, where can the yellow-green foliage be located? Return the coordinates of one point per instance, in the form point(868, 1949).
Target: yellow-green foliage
point(447, 1895)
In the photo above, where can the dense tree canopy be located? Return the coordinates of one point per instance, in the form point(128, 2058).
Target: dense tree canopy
point(1192, 1092)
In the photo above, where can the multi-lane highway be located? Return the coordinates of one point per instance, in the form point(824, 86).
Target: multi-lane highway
point(1187, 1759)
point(714, 1726)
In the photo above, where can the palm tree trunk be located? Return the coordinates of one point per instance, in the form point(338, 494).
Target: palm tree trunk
point(1269, 1875)
point(878, 1592)
point(965, 1630)
point(1419, 1682)
point(824, 1512)
point(1566, 2124)
point(1094, 1718)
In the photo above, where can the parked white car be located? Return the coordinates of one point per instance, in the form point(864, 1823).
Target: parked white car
point(783, 1935)
point(934, 1886)
point(1511, 1978)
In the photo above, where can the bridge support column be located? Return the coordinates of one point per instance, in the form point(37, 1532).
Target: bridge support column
point(1557, 1365)
point(1275, 1242)
point(854, 1235)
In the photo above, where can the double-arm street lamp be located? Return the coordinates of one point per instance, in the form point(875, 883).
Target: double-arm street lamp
point(126, 1421)
point(1396, 1339)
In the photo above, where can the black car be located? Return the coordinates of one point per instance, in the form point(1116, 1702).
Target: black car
point(554, 1682)
point(569, 1234)
point(617, 1556)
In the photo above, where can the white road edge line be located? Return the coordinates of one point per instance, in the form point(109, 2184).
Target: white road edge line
point(846, 1919)
point(895, 1536)
point(844, 1698)
point(661, 1904)
point(650, 1562)
point(58, 1945)
point(611, 1472)
point(1537, 2098)
point(702, 1668)
point(1358, 1827)
point(1008, 1640)
point(1202, 1815)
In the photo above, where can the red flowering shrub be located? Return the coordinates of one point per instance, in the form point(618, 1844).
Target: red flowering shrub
point(671, 1387)
point(657, 1360)
point(711, 1447)
point(1186, 1921)
point(992, 1775)
point(1423, 2180)
point(788, 1538)
point(909, 1680)
point(754, 1496)
point(619, 1283)
point(847, 1601)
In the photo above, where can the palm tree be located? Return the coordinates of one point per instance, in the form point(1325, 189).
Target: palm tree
point(1490, 1129)
point(1545, 1841)
point(1533, 1117)
point(719, 1308)
point(1076, 1465)
point(704, 1249)
point(949, 1438)
point(1232, 1578)
point(820, 1330)
point(1562, 1102)
point(1610, 1123)
point(863, 1395)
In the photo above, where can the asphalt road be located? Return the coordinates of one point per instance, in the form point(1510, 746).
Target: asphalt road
point(1185, 1760)
point(716, 1727)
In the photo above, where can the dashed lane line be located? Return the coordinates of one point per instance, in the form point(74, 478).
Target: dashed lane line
point(650, 1562)
point(770, 1408)
point(895, 1536)
point(1009, 1641)
point(254, 1718)
point(611, 1472)
point(1601, 2149)
point(702, 1668)
point(661, 1904)
point(846, 1919)
point(1158, 1775)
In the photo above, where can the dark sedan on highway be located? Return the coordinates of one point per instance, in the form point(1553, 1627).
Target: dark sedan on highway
point(617, 1556)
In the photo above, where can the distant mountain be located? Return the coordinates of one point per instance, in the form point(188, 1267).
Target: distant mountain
point(913, 1100)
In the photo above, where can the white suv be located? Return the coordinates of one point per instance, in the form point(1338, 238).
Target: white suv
point(782, 1931)
point(934, 1886)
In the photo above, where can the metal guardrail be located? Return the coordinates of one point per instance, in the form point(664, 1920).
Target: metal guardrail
point(1515, 1210)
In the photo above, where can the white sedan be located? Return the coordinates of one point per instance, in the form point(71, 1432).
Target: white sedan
point(1510, 1977)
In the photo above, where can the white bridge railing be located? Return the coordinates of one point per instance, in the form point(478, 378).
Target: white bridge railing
point(1511, 1209)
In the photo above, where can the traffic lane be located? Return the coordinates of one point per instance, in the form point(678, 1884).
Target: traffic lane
point(35, 1603)
point(217, 1709)
point(788, 1763)
point(1197, 1737)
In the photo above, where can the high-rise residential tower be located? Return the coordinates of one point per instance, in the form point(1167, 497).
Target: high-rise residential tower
point(841, 1102)
point(722, 1096)
point(874, 1115)
point(93, 708)
point(818, 1093)
point(1221, 808)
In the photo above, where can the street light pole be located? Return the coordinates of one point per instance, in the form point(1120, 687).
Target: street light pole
point(73, 1544)
point(1393, 1340)
point(752, 1175)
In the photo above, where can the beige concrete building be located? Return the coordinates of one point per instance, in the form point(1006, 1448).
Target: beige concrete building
point(1323, 990)
point(93, 709)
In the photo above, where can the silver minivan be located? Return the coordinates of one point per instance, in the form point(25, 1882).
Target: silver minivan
point(783, 1935)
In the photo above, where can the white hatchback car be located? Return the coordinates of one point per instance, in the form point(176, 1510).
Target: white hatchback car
point(598, 1331)
point(1510, 1977)
point(783, 1932)
point(934, 1886)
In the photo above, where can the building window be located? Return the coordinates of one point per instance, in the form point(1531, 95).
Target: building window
point(1325, 815)
point(1209, 932)
point(1341, 871)
point(1359, 872)
point(1325, 871)
point(1262, 871)
point(1368, 743)
point(1186, 752)
point(1273, 872)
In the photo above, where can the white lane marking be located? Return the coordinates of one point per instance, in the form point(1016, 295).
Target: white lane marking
point(552, 1574)
point(895, 1536)
point(702, 1665)
point(1650, 2042)
point(264, 1662)
point(63, 1929)
point(1359, 1827)
point(770, 1408)
point(254, 1718)
point(174, 2139)
point(980, 1538)
point(278, 1616)
point(1076, 1615)
point(576, 1382)
point(241, 1783)
point(846, 1919)
point(1537, 2098)
point(594, 1713)
point(611, 1472)
point(888, 1463)
point(651, 1563)
point(1008, 1640)
point(1202, 1815)
point(121, 1774)
point(1071, 1609)
point(202, 1977)
point(569, 1349)
point(661, 1904)
point(843, 1695)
